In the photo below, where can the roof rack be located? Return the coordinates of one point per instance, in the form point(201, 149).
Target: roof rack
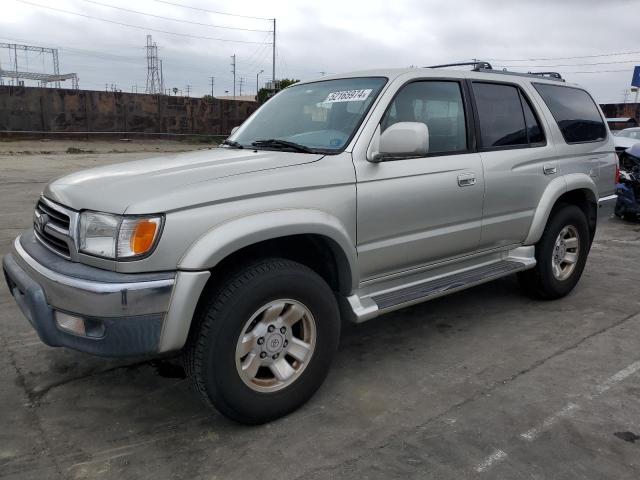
point(477, 65)
point(485, 67)
point(554, 75)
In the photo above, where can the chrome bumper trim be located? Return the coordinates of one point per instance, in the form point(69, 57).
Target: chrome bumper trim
point(606, 206)
point(95, 298)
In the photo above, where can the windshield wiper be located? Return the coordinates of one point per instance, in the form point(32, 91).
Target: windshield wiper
point(232, 143)
point(276, 142)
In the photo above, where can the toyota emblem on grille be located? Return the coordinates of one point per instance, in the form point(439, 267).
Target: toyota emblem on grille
point(40, 221)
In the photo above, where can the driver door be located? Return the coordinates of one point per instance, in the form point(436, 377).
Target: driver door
point(419, 211)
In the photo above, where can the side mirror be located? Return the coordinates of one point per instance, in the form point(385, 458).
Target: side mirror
point(234, 130)
point(400, 140)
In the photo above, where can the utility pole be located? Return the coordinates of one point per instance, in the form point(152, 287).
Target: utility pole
point(233, 70)
point(188, 89)
point(213, 82)
point(257, 89)
point(241, 83)
point(273, 66)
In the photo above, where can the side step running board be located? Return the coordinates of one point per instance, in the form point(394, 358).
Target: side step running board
point(367, 306)
point(447, 284)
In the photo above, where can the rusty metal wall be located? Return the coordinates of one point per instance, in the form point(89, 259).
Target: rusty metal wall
point(60, 110)
point(619, 110)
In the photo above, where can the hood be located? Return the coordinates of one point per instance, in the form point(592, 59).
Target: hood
point(115, 188)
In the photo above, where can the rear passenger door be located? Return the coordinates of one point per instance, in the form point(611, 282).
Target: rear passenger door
point(517, 159)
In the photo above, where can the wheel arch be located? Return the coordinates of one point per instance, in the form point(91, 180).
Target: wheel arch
point(311, 237)
point(575, 189)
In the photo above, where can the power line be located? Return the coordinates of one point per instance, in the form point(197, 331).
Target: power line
point(139, 27)
point(572, 64)
point(601, 71)
point(561, 58)
point(173, 19)
point(210, 11)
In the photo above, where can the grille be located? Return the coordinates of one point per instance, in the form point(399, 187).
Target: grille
point(51, 227)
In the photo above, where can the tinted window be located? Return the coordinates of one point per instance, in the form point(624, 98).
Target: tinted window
point(535, 133)
point(575, 112)
point(500, 112)
point(436, 104)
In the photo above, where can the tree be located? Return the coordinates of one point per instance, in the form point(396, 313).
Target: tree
point(265, 93)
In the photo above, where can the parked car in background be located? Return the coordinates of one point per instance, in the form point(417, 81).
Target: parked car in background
point(622, 123)
point(626, 138)
point(631, 133)
point(628, 188)
point(340, 199)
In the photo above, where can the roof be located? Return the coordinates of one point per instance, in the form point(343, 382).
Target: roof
point(483, 74)
point(244, 98)
point(621, 119)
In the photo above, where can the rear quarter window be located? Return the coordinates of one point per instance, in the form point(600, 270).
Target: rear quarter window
point(574, 111)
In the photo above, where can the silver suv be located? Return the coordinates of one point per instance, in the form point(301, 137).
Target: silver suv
point(339, 199)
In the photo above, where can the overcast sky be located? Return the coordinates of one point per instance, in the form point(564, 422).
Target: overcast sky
point(325, 36)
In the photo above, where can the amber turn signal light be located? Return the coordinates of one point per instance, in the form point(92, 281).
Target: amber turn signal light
point(143, 236)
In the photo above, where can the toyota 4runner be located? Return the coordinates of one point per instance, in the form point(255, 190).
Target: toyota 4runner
point(339, 199)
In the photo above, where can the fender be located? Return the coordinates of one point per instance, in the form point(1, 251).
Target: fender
point(556, 188)
point(234, 234)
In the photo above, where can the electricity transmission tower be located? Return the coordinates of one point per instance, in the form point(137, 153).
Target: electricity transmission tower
point(213, 82)
point(43, 78)
point(154, 77)
point(241, 83)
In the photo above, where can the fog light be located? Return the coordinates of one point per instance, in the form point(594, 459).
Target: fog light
point(70, 323)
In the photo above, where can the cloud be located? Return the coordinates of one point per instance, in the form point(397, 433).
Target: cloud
point(328, 36)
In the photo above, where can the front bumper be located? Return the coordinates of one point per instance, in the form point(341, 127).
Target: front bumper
point(122, 314)
point(606, 206)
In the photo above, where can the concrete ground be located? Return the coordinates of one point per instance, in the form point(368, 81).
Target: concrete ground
point(481, 384)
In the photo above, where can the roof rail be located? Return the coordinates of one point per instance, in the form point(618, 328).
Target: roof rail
point(477, 65)
point(554, 75)
point(485, 67)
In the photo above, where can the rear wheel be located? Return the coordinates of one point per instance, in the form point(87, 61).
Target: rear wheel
point(561, 254)
point(264, 340)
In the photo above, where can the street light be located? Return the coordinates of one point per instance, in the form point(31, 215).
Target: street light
point(257, 75)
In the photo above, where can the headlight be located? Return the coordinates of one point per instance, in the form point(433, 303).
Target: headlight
point(117, 236)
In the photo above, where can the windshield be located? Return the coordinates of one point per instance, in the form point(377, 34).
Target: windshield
point(635, 134)
point(313, 117)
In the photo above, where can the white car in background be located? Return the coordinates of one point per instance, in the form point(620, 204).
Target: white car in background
point(626, 138)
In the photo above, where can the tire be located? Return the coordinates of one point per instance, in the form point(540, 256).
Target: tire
point(545, 282)
point(246, 306)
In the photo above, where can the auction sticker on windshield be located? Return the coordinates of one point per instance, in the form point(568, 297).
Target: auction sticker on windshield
point(348, 96)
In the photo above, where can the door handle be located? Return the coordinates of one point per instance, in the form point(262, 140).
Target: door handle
point(550, 169)
point(466, 179)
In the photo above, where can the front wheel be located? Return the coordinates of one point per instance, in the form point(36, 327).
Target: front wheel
point(561, 255)
point(264, 340)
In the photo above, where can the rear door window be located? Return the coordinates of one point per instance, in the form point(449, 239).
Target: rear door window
point(575, 112)
point(502, 122)
point(534, 130)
